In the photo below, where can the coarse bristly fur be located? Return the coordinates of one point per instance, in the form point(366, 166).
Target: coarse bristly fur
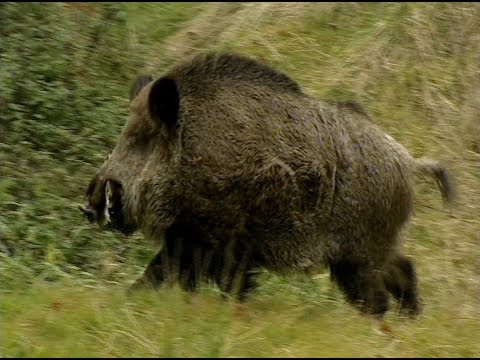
point(228, 164)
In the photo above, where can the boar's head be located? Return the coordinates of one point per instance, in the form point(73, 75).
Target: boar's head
point(135, 188)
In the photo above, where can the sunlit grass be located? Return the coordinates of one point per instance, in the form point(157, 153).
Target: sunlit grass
point(75, 321)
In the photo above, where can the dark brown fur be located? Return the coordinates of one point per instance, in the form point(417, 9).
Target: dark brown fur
point(230, 166)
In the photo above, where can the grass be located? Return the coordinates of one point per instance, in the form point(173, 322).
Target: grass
point(73, 320)
point(414, 66)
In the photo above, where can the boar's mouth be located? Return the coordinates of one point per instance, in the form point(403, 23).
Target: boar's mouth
point(105, 207)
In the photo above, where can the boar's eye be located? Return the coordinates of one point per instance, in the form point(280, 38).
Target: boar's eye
point(164, 102)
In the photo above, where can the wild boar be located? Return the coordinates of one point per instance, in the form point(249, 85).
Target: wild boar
point(230, 166)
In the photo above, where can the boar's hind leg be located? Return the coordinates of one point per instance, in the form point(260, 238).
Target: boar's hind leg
point(401, 281)
point(362, 285)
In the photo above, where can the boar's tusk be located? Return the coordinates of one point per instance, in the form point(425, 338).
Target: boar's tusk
point(87, 210)
point(108, 201)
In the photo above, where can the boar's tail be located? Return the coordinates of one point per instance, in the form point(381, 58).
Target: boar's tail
point(441, 175)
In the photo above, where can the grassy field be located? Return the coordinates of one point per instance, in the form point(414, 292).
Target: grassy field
point(415, 67)
point(71, 320)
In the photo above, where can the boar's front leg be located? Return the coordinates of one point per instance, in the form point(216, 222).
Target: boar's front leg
point(238, 284)
point(234, 270)
point(153, 276)
point(178, 261)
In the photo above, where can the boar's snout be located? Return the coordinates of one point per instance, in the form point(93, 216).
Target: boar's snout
point(89, 212)
point(95, 203)
point(104, 205)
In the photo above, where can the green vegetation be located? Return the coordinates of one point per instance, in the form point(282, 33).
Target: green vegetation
point(65, 73)
point(79, 321)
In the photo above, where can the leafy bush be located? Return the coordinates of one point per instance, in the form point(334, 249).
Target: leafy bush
point(64, 79)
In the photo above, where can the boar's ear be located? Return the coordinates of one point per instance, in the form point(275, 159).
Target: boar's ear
point(164, 102)
point(140, 82)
